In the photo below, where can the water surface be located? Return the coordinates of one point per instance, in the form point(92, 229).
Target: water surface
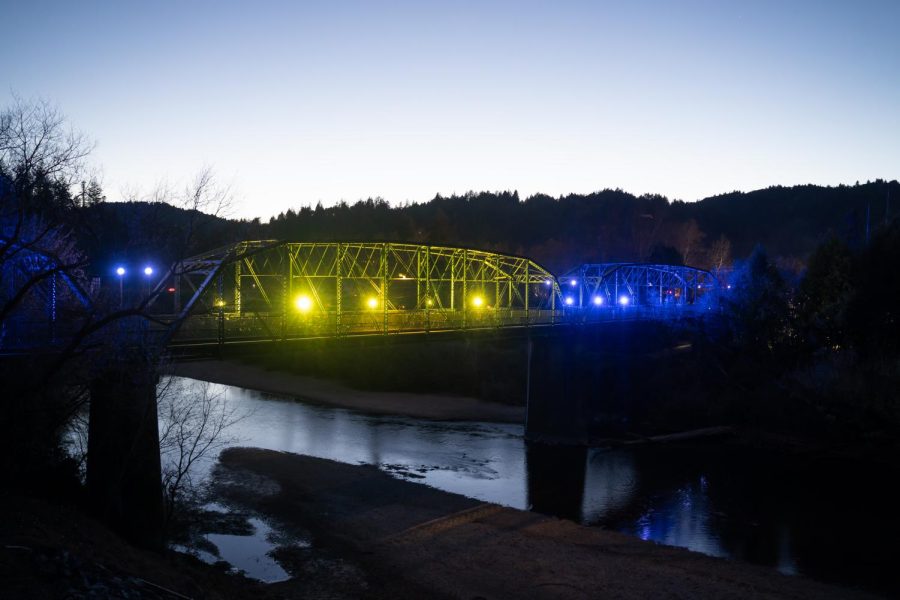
point(835, 522)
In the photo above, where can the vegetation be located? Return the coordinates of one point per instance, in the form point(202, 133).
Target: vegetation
point(76, 332)
point(822, 357)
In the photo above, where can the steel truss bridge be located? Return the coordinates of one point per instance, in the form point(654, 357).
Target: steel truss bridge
point(598, 285)
point(272, 290)
point(281, 290)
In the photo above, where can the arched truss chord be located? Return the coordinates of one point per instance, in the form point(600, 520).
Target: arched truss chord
point(277, 290)
point(605, 285)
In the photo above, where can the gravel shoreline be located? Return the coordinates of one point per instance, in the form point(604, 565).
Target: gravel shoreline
point(423, 542)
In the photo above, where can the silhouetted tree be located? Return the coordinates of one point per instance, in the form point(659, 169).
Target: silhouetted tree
point(823, 296)
point(758, 307)
point(873, 314)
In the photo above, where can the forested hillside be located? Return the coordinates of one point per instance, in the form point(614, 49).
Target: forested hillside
point(613, 225)
point(610, 225)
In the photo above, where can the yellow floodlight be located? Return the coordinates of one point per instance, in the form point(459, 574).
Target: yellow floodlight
point(477, 301)
point(372, 302)
point(303, 303)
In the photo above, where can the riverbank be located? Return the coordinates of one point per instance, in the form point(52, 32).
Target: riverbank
point(436, 407)
point(50, 551)
point(436, 544)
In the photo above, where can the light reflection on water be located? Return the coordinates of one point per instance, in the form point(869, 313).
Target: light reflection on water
point(715, 502)
point(480, 460)
point(250, 553)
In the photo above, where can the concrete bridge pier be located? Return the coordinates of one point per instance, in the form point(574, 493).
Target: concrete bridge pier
point(556, 393)
point(585, 381)
point(124, 476)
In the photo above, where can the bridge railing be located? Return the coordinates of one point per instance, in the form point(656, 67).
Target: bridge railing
point(226, 328)
point(234, 327)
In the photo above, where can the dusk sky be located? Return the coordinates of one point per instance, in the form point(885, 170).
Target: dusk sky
point(300, 102)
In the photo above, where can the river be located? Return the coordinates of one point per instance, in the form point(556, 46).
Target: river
point(832, 521)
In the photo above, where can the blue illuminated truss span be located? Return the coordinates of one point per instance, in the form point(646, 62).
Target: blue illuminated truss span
point(599, 286)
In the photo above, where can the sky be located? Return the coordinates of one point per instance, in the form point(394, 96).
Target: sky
point(294, 103)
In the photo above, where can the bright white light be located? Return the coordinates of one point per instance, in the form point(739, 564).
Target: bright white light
point(624, 300)
point(120, 271)
point(570, 300)
point(598, 300)
point(573, 282)
point(304, 303)
point(148, 271)
point(548, 282)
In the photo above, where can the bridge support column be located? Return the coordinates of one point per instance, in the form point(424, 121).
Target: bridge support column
point(591, 381)
point(555, 394)
point(124, 476)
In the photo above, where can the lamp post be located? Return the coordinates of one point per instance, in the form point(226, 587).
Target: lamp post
point(148, 272)
point(120, 271)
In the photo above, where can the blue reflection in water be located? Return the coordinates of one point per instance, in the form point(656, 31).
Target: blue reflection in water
point(683, 519)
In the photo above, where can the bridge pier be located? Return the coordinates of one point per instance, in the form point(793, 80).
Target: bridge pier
point(588, 382)
point(124, 477)
point(556, 393)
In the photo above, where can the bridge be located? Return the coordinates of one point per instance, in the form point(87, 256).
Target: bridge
point(267, 292)
point(270, 290)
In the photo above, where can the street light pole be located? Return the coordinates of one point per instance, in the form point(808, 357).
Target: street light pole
point(120, 271)
point(148, 272)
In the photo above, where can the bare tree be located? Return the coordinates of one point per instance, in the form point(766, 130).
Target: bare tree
point(36, 140)
point(720, 254)
point(689, 237)
point(40, 158)
point(194, 419)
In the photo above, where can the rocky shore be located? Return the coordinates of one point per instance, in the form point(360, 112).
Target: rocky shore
point(410, 540)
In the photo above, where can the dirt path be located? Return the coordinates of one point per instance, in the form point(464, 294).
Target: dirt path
point(332, 393)
point(447, 545)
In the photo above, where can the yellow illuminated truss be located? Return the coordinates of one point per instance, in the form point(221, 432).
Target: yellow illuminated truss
point(279, 290)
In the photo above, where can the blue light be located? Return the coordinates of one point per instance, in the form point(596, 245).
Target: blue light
point(598, 300)
point(120, 271)
point(573, 282)
point(548, 282)
point(570, 300)
point(148, 271)
point(624, 300)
